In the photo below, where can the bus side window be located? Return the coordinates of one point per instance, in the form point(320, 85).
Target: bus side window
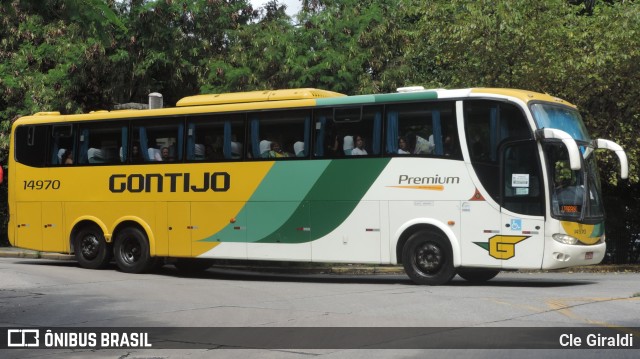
point(160, 141)
point(214, 137)
point(422, 129)
point(62, 144)
point(102, 143)
point(274, 135)
point(487, 125)
point(30, 145)
point(348, 132)
point(522, 185)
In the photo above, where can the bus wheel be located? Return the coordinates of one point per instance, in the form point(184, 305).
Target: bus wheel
point(427, 258)
point(192, 265)
point(91, 249)
point(131, 250)
point(477, 275)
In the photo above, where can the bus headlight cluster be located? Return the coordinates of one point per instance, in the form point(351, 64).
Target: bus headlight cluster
point(565, 238)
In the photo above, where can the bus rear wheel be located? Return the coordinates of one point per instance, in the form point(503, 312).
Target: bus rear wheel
point(131, 251)
point(428, 259)
point(477, 275)
point(91, 249)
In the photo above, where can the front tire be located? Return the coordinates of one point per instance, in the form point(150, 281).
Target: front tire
point(131, 251)
point(91, 249)
point(428, 259)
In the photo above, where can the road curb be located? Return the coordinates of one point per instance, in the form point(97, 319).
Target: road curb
point(11, 252)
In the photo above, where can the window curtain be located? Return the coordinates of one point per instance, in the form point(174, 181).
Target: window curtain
point(307, 134)
point(144, 143)
point(123, 143)
point(322, 123)
point(493, 140)
point(56, 148)
point(255, 137)
point(191, 141)
point(226, 147)
point(180, 141)
point(392, 132)
point(84, 146)
point(377, 133)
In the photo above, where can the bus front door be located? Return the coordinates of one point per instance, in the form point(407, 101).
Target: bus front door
point(522, 201)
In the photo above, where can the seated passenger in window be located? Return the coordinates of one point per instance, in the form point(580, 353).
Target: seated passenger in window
point(423, 146)
point(403, 148)
point(276, 151)
point(166, 154)
point(67, 157)
point(359, 147)
point(136, 155)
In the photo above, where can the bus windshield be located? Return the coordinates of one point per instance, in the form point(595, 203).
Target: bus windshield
point(562, 118)
point(568, 200)
point(568, 186)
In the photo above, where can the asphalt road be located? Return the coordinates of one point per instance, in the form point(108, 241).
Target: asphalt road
point(50, 293)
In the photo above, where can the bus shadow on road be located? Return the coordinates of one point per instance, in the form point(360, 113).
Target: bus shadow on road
point(293, 275)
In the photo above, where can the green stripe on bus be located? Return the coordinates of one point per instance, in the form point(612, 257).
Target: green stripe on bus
point(301, 202)
point(331, 200)
point(276, 199)
point(408, 96)
point(382, 98)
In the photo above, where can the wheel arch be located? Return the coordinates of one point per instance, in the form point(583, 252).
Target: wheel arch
point(411, 227)
point(132, 221)
point(83, 222)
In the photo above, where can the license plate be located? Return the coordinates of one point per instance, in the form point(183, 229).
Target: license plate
point(588, 255)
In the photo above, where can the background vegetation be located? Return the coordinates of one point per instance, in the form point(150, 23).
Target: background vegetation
point(80, 55)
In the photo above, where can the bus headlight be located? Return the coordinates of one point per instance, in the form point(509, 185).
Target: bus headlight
point(565, 238)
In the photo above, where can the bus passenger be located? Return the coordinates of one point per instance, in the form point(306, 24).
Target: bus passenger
point(403, 149)
point(276, 151)
point(359, 149)
point(136, 156)
point(67, 157)
point(165, 154)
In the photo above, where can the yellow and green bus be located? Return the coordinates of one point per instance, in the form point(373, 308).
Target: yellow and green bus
point(445, 182)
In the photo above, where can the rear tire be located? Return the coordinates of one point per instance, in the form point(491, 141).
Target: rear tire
point(477, 275)
point(428, 259)
point(91, 249)
point(131, 251)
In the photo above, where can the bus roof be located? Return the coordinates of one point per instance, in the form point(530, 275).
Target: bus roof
point(291, 98)
point(256, 96)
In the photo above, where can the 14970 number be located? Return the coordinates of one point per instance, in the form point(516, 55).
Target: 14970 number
point(41, 184)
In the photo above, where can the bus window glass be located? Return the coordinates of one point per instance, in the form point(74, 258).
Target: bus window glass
point(160, 140)
point(102, 143)
point(346, 132)
point(30, 145)
point(522, 183)
point(279, 134)
point(63, 150)
point(488, 124)
point(214, 137)
point(422, 129)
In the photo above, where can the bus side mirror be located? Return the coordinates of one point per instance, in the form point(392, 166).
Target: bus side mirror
point(610, 145)
point(569, 142)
